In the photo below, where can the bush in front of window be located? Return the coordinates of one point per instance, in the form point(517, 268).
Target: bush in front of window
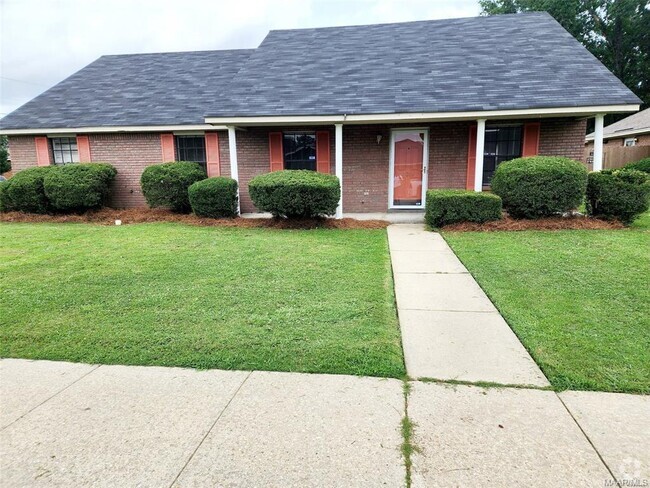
point(24, 192)
point(214, 197)
point(446, 207)
point(166, 185)
point(79, 187)
point(622, 194)
point(295, 193)
point(540, 186)
point(642, 165)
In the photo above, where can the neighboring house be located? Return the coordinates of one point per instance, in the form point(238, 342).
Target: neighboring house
point(391, 109)
point(630, 132)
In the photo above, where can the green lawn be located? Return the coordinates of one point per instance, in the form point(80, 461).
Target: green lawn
point(578, 300)
point(205, 297)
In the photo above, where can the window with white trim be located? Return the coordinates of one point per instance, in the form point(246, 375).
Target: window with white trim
point(65, 150)
point(629, 142)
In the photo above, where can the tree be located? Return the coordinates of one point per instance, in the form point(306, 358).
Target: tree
point(5, 165)
point(615, 31)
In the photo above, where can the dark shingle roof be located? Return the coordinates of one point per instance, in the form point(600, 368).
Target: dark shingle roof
point(484, 63)
point(134, 89)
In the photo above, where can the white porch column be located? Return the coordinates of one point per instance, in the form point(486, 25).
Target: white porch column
point(234, 168)
point(480, 145)
point(598, 142)
point(338, 164)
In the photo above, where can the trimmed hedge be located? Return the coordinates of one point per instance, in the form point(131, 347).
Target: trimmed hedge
point(622, 194)
point(641, 165)
point(214, 197)
point(5, 204)
point(24, 191)
point(296, 193)
point(446, 207)
point(166, 185)
point(540, 186)
point(78, 187)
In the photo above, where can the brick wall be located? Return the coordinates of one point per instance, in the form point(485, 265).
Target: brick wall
point(130, 154)
point(563, 137)
point(365, 162)
point(22, 151)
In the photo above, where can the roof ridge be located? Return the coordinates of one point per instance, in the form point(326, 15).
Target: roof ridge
point(177, 52)
point(426, 21)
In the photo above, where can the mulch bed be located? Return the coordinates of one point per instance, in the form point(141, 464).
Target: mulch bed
point(552, 223)
point(108, 216)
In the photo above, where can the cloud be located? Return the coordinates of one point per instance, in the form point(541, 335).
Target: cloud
point(43, 42)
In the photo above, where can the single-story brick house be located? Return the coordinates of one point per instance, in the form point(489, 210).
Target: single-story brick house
point(391, 109)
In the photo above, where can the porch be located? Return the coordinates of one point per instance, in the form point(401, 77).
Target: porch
point(385, 168)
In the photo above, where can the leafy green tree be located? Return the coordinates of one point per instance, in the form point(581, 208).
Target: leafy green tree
point(5, 165)
point(617, 32)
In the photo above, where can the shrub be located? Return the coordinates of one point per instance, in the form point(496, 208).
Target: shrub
point(24, 192)
point(642, 165)
point(623, 194)
point(5, 204)
point(450, 206)
point(79, 187)
point(296, 193)
point(540, 186)
point(165, 185)
point(214, 197)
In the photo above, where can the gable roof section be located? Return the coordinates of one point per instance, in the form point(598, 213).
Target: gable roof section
point(134, 90)
point(639, 123)
point(506, 62)
point(502, 62)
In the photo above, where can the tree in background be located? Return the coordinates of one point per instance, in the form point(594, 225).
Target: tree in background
point(5, 165)
point(617, 32)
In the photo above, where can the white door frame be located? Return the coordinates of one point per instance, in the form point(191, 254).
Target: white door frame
point(425, 167)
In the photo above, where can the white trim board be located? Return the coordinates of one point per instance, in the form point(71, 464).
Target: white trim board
point(129, 128)
point(422, 116)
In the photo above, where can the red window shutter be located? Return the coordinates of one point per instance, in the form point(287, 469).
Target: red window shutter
point(212, 154)
point(275, 151)
point(323, 151)
point(167, 144)
point(83, 146)
point(471, 158)
point(42, 151)
point(530, 146)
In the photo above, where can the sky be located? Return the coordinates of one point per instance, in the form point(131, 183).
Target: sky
point(44, 41)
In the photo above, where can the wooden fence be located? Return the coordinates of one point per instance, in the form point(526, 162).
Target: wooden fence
point(618, 156)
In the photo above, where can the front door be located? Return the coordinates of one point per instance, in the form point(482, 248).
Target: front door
point(408, 168)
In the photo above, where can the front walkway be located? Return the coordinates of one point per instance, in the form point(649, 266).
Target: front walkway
point(450, 328)
point(66, 424)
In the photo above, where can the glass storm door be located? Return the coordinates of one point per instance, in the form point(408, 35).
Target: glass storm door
point(409, 149)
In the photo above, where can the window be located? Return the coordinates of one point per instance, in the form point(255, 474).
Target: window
point(630, 141)
point(501, 144)
point(299, 150)
point(65, 150)
point(191, 148)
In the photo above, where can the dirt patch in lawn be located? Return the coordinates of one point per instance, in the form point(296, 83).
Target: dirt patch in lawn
point(108, 216)
point(551, 223)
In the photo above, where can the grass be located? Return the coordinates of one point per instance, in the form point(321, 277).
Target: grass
point(206, 297)
point(578, 300)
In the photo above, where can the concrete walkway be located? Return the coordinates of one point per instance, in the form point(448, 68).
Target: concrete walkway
point(450, 328)
point(66, 424)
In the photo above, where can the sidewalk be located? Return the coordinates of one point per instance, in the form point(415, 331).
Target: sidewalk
point(450, 328)
point(66, 424)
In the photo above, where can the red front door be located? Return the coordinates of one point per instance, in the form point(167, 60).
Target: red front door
point(408, 164)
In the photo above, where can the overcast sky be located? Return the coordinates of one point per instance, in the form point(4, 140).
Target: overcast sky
point(44, 41)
